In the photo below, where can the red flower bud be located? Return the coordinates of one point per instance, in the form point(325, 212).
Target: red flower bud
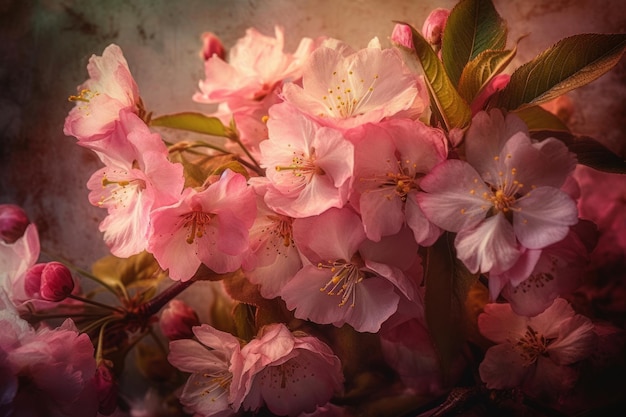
point(177, 320)
point(50, 281)
point(106, 388)
point(13, 222)
point(211, 45)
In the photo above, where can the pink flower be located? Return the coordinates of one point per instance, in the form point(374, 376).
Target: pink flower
point(45, 372)
point(560, 269)
point(256, 65)
point(177, 320)
point(534, 353)
point(273, 257)
point(309, 167)
point(209, 227)
point(13, 223)
point(506, 196)
point(290, 373)
point(345, 89)
point(390, 159)
point(207, 391)
point(136, 179)
point(109, 90)
point(346, 278)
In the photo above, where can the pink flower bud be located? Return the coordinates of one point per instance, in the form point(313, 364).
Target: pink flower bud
point(177, 320)
point(434, 25)
point(496, 84)
point(402, 35)
point(13, 222)
point(106, 389)
point(211, 45)
point(50, 281)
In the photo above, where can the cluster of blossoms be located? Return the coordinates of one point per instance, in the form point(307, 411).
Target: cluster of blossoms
point(317, 215)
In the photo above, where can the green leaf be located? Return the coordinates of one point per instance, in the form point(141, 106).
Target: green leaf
point(480, 70)
point(569, 64)
point(192, 122)
point(453, 111)
point(538, 119)
point(447, 285)
point(473, 26)
point(588, 151)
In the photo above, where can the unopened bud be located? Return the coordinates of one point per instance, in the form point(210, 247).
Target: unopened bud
point(13, 223)
point(402, 35)
point(211, 45)
point(434, 25)
point(106, 389)
point(497, 83)
point(50, 281)
point(177, 320)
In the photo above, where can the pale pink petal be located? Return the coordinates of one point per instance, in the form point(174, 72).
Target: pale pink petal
point(190, 356)
point(490, 245)
point(576, 341)
point(543, 217)
point(454, 196)
point(549, 322)
point(424, 232)
point(343, 234)
point(488, 134)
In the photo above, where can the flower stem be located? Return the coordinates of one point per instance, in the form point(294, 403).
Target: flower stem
point(95, 303)
point(153, 306)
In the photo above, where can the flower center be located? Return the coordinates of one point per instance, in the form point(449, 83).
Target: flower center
point(195, 222)
point(219, 382)
point(302, 167)
point(282, 228)
point(346, 276)
point(85, 96)
point(348, 94)
point(121, 190)
point(531, 346)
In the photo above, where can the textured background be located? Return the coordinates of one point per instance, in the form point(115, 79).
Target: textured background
point(45, 45)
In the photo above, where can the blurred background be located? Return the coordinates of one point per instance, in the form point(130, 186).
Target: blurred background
point(45, 45)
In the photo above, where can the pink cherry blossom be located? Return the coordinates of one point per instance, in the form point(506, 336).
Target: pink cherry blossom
point(289, 373)
point(256, 65)
point(209, 226)
point(136, 179)
point(390, 159)
point(273, 257)
point(207, 391)
point(345, 89)
point(346, 278)
point(109, 90)
point(309, 167)
point(49, 371)
point(560, 269)
point(506, 197)
point(534, 353)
